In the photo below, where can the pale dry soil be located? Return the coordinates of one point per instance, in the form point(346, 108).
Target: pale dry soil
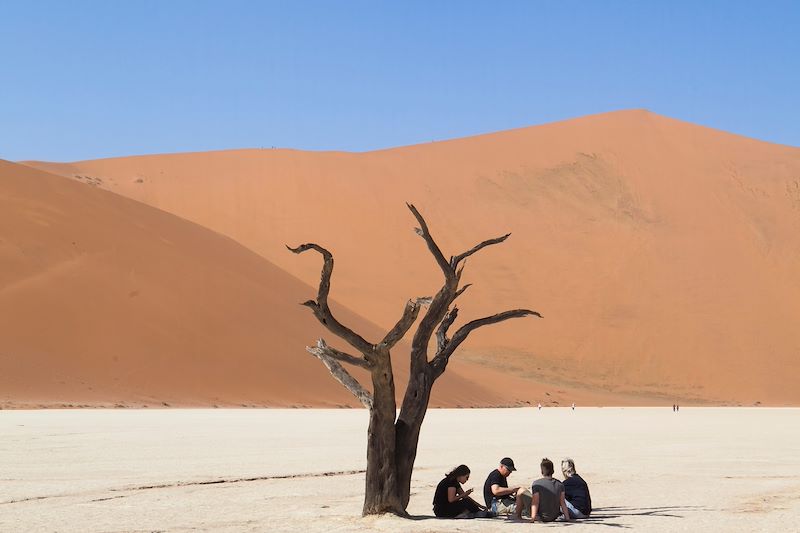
point(649, 469)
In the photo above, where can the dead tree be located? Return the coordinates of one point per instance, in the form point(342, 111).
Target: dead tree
point(392, 439)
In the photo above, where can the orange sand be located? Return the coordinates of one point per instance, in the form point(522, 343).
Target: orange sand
point(663, 256)
point(105, 301)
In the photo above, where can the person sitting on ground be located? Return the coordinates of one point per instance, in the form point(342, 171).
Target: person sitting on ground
point(500, 499)
point(548, 496)
point(450, 499)
point(576, 491)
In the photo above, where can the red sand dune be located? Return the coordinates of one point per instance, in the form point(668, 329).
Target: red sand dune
point(664, 256)
point(107, 301)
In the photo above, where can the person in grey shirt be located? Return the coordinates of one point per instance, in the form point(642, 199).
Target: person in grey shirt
point(548, 496)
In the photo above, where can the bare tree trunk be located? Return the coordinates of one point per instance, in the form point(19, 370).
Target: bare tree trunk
point(381, 482)
point(409, 424)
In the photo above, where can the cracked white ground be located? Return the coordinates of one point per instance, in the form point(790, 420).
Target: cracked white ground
point(726, 469)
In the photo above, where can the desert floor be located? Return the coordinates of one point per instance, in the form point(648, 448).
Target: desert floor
point(723, 469)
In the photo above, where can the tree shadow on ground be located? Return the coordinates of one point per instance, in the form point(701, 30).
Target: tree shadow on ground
point(665, 511)
point(601, 516)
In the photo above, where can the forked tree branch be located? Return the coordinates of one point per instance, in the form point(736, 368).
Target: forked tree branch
point(439, 304)
point(432, 246)
point(320, 306)
point(342, 376)
point(462, 333)
point(433, 317)
point(404, 324)
point(441, 332)
point(322, 348)
point(439, 362)
point(459, 271)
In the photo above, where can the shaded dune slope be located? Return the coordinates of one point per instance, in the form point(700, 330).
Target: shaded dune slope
point(107, 301)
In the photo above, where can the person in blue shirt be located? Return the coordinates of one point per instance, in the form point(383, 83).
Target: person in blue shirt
point(576, 491)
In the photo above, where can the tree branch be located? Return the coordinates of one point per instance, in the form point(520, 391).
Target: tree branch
point(322, 348)
point(439, 362)
point(460, 291)
point(437, 309)
point(343, 376)
point(320, 307)
point(497, 240)
point(441, 332)
point(432, 246)
point(459, 271)
point(327, 269)
point(439, 304)
point(410, 314)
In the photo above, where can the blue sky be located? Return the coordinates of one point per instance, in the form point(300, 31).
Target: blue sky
point(90, 79)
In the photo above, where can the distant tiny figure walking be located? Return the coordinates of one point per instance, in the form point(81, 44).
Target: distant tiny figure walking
point(540, 407)
point(573, 406)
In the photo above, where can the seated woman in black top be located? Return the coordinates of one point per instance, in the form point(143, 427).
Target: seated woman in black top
point(451, 500)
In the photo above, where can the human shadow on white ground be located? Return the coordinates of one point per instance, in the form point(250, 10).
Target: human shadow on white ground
point(601, 516)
